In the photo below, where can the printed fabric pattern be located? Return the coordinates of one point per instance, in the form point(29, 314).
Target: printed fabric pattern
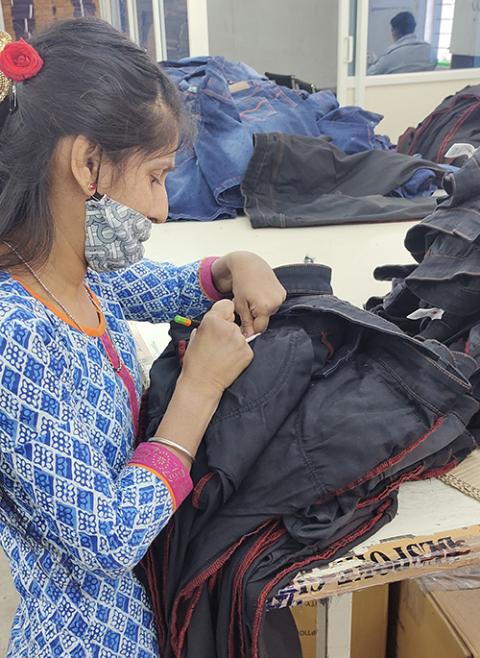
point(114, 234)
point(75, 517)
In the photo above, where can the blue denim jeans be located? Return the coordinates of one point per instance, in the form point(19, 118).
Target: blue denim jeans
point(206, 182)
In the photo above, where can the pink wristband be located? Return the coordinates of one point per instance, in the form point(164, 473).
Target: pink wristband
point(206, 279)
point(165, 465)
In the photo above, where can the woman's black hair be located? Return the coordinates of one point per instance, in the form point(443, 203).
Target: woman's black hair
point(95, 83)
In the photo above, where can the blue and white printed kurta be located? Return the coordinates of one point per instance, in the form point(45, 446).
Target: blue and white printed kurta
point(74, 517)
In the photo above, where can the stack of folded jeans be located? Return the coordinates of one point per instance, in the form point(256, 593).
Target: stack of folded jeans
point(302, 460)
point(439, 296)
point(230, 103)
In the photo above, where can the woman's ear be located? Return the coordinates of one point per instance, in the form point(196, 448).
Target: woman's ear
point(85, 163)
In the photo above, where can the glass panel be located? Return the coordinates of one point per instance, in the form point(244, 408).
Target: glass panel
point(423, 35)
point(352, 30)
point(119, 16)
point(24, 17)
point(146, 32)
point(176, 28)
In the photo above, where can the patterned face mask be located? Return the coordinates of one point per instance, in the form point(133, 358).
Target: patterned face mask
point(114, 234)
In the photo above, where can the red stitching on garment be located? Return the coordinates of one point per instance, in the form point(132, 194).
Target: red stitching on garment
point(188, 590)
point(212, 582)
point(178, 638)
point(393, 460)
point(327, 343)
point(404, 137)
point(463, 117)
point(437, 472)
point(392, 487)
point(188, 618)
point(270, 536)
point(295, 568)
point(421, 130)
point(199, 487)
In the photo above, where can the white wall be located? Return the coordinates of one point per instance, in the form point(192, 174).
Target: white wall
point(280, 36)
point(405, 105)
point(466, 29)
point(197, 27)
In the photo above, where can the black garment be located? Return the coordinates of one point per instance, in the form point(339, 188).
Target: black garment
point(280, 635)
point(301, 461)
point(295, 181)
point(446, 246)
point(454, 121)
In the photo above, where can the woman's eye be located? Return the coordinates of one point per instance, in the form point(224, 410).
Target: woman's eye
point(156, 180)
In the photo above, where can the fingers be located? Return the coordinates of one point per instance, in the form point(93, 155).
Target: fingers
point(243, 309)
point(254, 317)
point(224, 309)
point(261, 315)
point(260, 324)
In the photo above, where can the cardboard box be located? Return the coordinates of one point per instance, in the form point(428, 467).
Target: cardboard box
point(369, 624)
point(306, 620)
point(437, 625)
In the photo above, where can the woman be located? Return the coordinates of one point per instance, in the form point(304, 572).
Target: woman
point(89, 133)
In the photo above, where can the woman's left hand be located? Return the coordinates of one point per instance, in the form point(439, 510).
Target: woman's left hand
point(256, 291)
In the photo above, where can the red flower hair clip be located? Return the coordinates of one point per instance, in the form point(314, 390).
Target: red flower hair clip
point(20, 61)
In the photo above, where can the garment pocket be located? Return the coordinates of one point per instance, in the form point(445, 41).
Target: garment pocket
point(360, 420)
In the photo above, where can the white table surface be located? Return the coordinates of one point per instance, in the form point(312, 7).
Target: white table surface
point(351, 251)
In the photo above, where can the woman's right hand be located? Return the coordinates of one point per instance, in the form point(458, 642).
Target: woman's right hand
point(218, 352)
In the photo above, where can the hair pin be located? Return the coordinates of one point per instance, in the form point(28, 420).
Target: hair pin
point(13, 100)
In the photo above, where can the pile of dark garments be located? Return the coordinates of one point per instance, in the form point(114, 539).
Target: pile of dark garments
point(438, 297)
point(305, 455)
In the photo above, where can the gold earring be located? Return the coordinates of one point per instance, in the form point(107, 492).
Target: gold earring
point(5, 83)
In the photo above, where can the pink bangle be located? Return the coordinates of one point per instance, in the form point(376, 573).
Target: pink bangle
point(166, 466)
point(206, 279)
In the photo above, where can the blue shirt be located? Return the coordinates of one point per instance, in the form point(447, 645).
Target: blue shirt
point(75, 518)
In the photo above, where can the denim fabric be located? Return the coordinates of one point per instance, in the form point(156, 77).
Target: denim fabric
point(449, 277)
point(194, 68)
point(458, 215)
point(337, 408)
point(206, 182)
point(352, 129)
point(446, 245)
point(424, 182)
point(295, 181)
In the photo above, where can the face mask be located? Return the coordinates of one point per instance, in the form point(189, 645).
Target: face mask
point(114, 234)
